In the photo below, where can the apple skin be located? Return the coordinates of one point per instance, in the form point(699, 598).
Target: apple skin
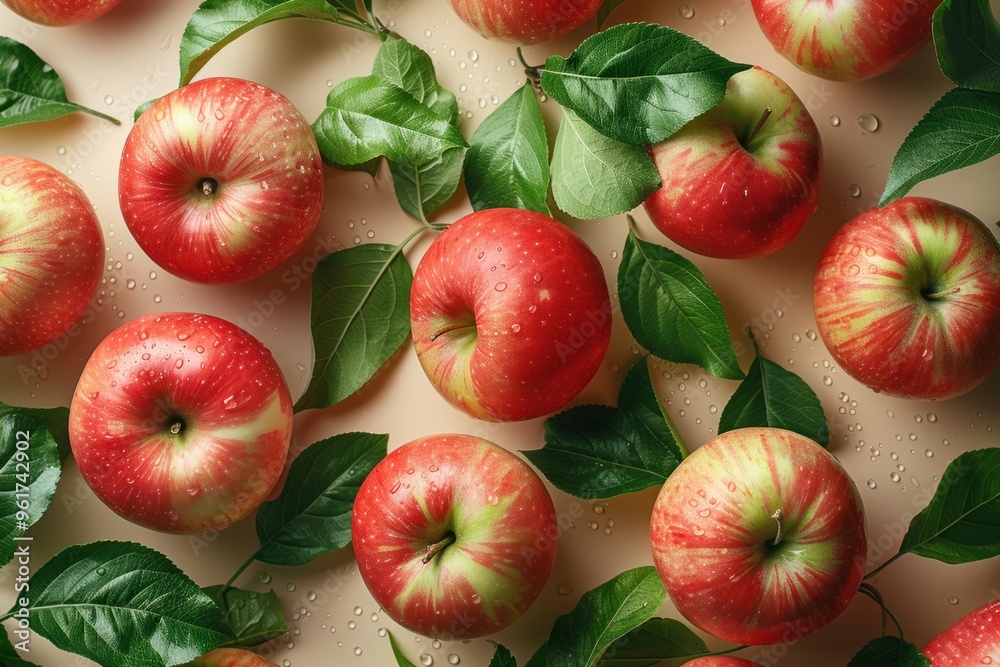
point(521, 22)
point(51, 254)
point(712, 533)
point(181, 422)
point(720, 661)
point(61, 13)
point(257, 157)
point(494, 505)
point(973, 641)
point(510, 314)
point(846, 40)
point(907, 299)
point(733, 193)
point(230, 657)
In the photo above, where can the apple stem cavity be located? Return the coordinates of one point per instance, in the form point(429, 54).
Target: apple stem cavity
point(760, 125)
point(778, 516)
point(453, 327)
point(433, 550)
point(177, 427)
point(940, 294)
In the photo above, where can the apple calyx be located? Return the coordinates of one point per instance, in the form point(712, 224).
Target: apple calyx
point(778, 516)
point(208, 186)
point(760, 125)
point(433, 550)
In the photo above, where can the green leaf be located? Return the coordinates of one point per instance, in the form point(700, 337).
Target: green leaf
point(410, 68)
point(11, 657)
point(422, 190)
point(401, 659)
point(312, 516)
point(604, 615)
point(637, 398)
point(141, 109)
point(961, 129)
point(606, 9)
point(55, 420)
point(508, 161)
point(216, 23)
point(502, 657)
point(596, 452)
point(367, 117)
point(29, 473)
point(654, 641)
point(540, 658)
point(255, 618)
point(775, 397)
point(962, 522)
point(889, 652)
point(30, 90)
point(672, 311)
point(639, 83)
point(122, 604)
point(967, 41)
point(360, 317)
point(597, 177)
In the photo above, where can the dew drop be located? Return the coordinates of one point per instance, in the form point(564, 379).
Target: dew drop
point(854, 190)
point(290, 587)
point(500, 287)
point(351, 625)
point(453, 659)
point(827, 380)
point(311, 596)
point(871, 484)
point(357, 650)
point(931, 417)
point(868, 122)
point(264, 578)
point(686, 11)
point(598, 509)
point(564, 589)
point(358, 611)
point(835, 121)
point(101, 571)
point(953, 600)
point(109, 100)
point(426, 659)
point(61, 150)
point(474, 55)
point(810, 334)
point(894, 477)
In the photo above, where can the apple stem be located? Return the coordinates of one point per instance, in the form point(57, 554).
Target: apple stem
point(436, 548)
point(760, 124)
point(452, 327)
point(208, 186)
point(176, 427)
point(778, 516)
point(934, 296)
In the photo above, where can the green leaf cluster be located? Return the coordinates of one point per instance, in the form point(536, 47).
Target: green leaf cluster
point(963, 127)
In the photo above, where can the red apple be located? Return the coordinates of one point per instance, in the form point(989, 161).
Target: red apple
point(720, 661)
point(846, 40)
point(740, 180)
point(510, 314)
point(520, 22)
point(907, 299)
point(221, 181)
point(757, 534)
point(973, 641)
point(51, 254)
point(59, 13)
point(230, 657)
point(454, 536)
point(181, 422)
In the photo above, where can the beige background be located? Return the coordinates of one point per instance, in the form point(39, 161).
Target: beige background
point(130, 55)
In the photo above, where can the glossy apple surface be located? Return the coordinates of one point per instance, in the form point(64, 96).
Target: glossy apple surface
point(973, 641)
point(510, 314)
point(846, 40)
point(715, 525)
point(741, 180)
point(58, 13)
point(51, 254)
point(721, 661)
point(477, 514)
point(181, 422)
point(230, 657)
point(221, 181)
point(907, 299)
point(521, 22)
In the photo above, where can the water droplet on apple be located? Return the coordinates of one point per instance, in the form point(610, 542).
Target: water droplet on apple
point(515, 328)
point(500, 287)
point(264, 185)
point(220, 114)
point(686, 11)
point(868, 122)
point(705, 513)
point(835, 121)
point(698, 531)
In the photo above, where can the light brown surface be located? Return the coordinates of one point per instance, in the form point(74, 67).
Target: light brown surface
point(130, 55)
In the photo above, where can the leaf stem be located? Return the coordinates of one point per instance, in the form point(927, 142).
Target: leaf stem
point(229, 584)
point(9, 614)
point(534, 72)
point(884, 565)
point(873, 593)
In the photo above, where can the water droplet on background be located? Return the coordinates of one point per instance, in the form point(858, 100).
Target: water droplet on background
point(835, 121)
point(686, 11)
point(868, 122)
